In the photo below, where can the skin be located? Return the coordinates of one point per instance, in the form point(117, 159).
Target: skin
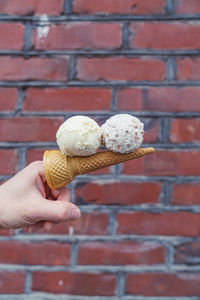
point(27, 201)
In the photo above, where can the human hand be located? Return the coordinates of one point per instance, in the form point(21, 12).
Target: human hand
point(26, 200)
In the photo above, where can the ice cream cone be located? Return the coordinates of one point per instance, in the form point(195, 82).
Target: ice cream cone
point(61, 170)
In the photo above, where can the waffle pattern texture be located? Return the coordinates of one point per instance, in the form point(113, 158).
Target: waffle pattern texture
point(60, 170)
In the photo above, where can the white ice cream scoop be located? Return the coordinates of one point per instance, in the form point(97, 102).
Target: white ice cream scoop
point(79, 136)
point(122, 133)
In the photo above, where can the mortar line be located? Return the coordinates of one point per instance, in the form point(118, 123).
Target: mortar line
point(170, 7)
point(68, 7)
point(101, 52)
point(125, 36)
point(102, 18)
point(120, 285)
point(96, 84)
point(28, 282)
point(74, 254)
point(21, 158)
point(28, 38)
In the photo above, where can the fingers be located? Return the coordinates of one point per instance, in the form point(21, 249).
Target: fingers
point(34, 227)
point(47, 225)
point(62, 194)
point(58, 211)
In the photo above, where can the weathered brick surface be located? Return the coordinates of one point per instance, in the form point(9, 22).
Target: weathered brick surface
point(165, 163)
point(30, 7)
point(187, 7)
point(135, 7)
point(17, 68)
point(158, 284)
point(29, 129)
point(168, 35)
point(188, 253)
point(69, 99)
point(123, 69)
point(138, 235)
point(169, 224)
point(186, 194)
point(8, 99)
point(91, 224)
point(14, 37)
point(159, 99)
point(76, 36)
point(114, 193)
point(8, 161)
point(185, 131)
point(76, 284)
point(16, 278)
point(188, 68)
point(46, 253)
point(120, 253)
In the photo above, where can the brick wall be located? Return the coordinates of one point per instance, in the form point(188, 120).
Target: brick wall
point(138, 237)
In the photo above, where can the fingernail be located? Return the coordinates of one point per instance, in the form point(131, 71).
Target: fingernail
point(49, 227)
point(30, 229)
point(75, 214)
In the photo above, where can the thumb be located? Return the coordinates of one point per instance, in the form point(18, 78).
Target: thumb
point(59, 211)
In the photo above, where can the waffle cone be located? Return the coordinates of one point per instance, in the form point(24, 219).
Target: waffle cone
point(61, 170)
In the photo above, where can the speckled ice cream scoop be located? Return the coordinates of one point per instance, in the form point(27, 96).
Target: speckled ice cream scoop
point(122, 133)
point(79, 135)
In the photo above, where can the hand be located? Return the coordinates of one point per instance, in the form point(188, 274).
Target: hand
point(26, 200)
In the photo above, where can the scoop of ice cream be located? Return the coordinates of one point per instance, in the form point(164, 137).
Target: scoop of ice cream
point(79, 136)
point(122, 133)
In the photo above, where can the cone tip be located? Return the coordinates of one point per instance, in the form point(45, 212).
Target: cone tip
point(148, 150)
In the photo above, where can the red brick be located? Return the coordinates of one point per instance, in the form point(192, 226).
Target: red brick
point(187, 7)
point(34, 154)
point(30, 7)
point(130, 99)
point(8, 99)
point(7, 232)
point(152, 131)
point(172, 99)
point(95, 223)
point(68, 99)
point(188, 253)
point(165, 163)
point(158, 163)
point(80, 35)
point(160, 99)
point(168, 35)
point(117, 193)
point(123, 69)
point(159, 284)
point(12, 282)
point(45, 253)
point(135, 7)
point(14, 37)
point(186, 194)
point(8, 162)
point(17, 68)
point(107, 171)
point(166, 224)
point(74, 283)
point(29, 129)
point(120, 253)
point(188, 68)
point(188, 163)
point(184, 130)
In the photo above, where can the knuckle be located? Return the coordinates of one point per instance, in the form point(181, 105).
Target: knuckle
point(64, 213)
point(35, 164)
